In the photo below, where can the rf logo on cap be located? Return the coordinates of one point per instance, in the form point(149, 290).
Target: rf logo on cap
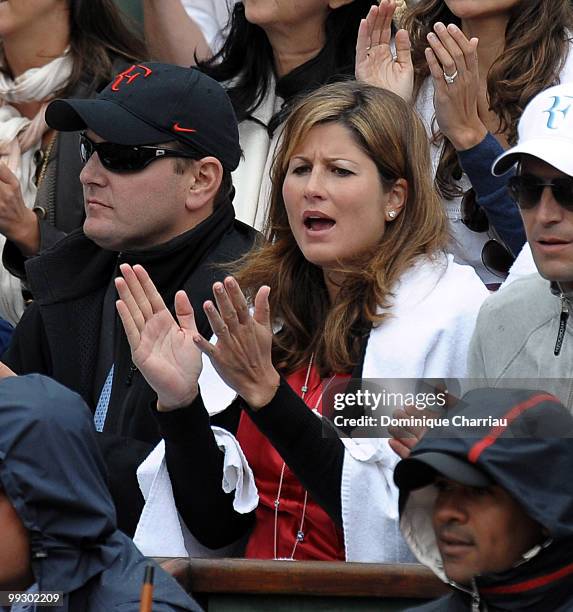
point(130, 75)
point(555, 119)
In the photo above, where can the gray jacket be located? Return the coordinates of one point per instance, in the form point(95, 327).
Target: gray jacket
point(523, 332)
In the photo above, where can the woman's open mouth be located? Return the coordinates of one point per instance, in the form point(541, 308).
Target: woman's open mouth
point(318, 222)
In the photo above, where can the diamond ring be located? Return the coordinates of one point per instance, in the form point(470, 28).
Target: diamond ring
point(450, 78)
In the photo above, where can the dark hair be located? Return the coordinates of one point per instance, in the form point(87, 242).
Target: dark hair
point(100, 32)
point(537, 41)
point(247, 60)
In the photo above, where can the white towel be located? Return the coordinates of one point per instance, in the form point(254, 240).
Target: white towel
point(160, 531)
point(370, 504)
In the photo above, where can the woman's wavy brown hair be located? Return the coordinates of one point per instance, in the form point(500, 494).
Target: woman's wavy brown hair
point(392, 135)
point(536, 47)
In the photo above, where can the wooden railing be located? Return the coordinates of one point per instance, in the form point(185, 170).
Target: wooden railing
point(240, 579)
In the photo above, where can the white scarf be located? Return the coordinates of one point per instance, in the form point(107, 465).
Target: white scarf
point(20, 139)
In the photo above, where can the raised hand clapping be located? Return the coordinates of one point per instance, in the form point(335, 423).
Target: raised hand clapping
point(242, 353)
point(168, 352)
point(375, 62)
point(163, 349)
point(453, 63)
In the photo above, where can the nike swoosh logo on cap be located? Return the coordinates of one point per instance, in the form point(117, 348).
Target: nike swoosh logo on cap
point(178, 128)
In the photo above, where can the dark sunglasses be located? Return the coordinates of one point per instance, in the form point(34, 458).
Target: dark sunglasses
point(496, 258)
point(526, 190)
point(125, 158)
point(473, 216)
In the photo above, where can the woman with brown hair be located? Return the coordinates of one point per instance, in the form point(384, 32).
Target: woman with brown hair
point(50, 48)
point(471, 96)
point(352, 282)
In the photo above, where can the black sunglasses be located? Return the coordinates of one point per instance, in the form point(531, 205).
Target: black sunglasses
point(473, 216)
point(126, 158)
point(496, 258)
point(526, 190)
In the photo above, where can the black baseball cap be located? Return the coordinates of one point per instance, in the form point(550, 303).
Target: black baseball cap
point(152, 103)
point(422, 469)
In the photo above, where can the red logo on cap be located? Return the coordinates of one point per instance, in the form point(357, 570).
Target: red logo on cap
point(130, 75)
point(178, 128)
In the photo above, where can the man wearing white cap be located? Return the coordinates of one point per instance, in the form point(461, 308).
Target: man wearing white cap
point(523, 331)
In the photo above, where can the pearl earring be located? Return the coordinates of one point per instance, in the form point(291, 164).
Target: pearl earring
point(392, 214)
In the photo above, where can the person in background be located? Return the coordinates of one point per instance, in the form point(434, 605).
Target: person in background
point(40, 192)
point(471, 67)
point(354, 281)
point(57, 518)
point(525, 332)
point(480, 507)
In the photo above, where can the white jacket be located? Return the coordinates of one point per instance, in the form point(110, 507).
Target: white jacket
point(252, 179)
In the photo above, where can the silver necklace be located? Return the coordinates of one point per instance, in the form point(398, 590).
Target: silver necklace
point(300, 533)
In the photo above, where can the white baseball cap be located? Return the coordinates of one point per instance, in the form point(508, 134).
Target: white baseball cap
point(545, 130)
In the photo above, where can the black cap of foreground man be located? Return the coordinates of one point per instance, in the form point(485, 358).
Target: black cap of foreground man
point(154, 103)
point(421, 470)
point(504, 430)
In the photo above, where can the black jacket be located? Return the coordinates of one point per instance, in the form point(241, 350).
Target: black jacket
point(54, 476)
point(59, 334)
point(532, 459)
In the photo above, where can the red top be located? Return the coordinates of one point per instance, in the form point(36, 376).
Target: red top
point(322, 540)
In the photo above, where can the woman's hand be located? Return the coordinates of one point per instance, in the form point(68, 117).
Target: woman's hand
point(242, 354)
point(375, 63)
point(452, 55)
point(162, 349)
point(18, 223)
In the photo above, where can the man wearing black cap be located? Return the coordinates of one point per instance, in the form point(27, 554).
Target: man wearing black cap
point(490, 509)
point(158, 144)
